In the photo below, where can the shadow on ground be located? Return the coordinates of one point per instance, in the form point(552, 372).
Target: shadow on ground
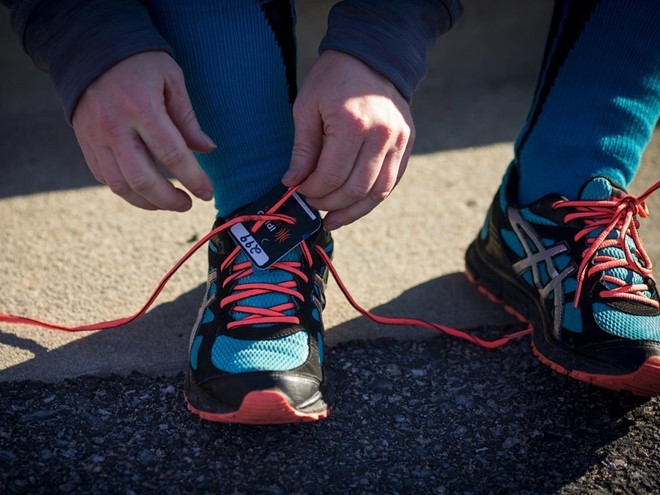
point(154, 331)
point(432, 416)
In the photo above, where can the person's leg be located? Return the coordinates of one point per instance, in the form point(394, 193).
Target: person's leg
point(256, 349)
point(560, 245)
point(239, 61)
point(597, 100)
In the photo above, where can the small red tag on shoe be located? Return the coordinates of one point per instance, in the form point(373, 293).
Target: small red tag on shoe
point(274, 239)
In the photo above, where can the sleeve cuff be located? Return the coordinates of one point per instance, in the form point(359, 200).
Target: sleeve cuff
point(77, 41)
point(391, 37)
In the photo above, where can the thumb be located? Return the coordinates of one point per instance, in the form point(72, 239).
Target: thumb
point(307, 144)
point(182, 114)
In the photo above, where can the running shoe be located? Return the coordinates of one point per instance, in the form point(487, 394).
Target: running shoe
point(577, 272)
point(256, 350)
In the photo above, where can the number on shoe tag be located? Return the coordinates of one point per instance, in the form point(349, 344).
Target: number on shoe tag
point(273, 239)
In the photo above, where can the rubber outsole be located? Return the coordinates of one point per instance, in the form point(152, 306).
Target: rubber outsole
point(261, 407)
point(645, 381)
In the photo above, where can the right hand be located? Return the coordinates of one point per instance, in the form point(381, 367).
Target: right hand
point(353, 137)
point(136, 114)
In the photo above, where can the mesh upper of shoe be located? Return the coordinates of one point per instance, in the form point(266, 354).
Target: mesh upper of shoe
point(242, 356)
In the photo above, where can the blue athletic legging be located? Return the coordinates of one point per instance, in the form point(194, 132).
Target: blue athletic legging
point(597, 100)
point(239, 61)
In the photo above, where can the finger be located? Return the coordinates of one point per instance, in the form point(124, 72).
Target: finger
point(88, 142)
point(368, 165)
point(385, 183)
point(141, 176)
point(111, 176)
point(307, 145)
point(182, 114)
point(91, 160)
point(405, 157)
point(166, 144)
point(335, 164)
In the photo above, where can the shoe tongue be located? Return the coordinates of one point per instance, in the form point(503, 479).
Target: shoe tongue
point(600, 189)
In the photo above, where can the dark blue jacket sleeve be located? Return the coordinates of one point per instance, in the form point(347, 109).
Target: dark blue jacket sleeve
point(78, 40)
point(391, 36)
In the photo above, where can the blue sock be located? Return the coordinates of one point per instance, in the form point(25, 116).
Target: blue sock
point(239, 62)
point(597, 99)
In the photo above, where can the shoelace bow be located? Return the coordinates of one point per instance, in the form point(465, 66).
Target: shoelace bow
point(618, 214)
point(267, 315)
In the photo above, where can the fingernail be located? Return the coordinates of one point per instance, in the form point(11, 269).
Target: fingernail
point(206, 195)
point(209, 141)
point(331, 225)
point(184, 206)
point(290, 175)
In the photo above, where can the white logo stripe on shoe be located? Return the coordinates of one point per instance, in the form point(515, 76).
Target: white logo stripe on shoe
point(534, 258)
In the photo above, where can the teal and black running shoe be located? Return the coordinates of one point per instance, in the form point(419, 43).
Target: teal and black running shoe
point(577, 271)
point(256, 350)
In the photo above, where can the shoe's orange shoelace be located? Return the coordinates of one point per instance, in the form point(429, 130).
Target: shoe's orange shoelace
point(257, 315)
point(266, 315)
point(618, 214)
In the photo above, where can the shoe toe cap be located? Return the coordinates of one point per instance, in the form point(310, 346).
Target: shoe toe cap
point(300, 391)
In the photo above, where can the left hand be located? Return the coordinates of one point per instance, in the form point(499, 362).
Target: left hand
point(353, 137)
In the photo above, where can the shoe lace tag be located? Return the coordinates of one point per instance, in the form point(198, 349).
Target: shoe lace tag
point(266, 242)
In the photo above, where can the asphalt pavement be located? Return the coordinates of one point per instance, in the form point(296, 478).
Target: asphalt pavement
point(432, 416)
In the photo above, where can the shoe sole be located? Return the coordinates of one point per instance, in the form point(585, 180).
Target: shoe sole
point(644, 381)
point(261, 407)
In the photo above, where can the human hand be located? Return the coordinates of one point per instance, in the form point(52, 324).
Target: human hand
point(353, 137)
point(137, 112)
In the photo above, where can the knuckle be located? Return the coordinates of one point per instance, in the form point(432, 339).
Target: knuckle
point(332, 180)
point(172, 158)
point(404, 136)
point(406, 132)
point(141, 183)
point(302, 147)
point(301, 151)
point(108, 121)
point(357, 192)
point(384, 133)
point(379, 195)
point(401, 142)
point(356, 124)
point(119, 187)
point(189, 117)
